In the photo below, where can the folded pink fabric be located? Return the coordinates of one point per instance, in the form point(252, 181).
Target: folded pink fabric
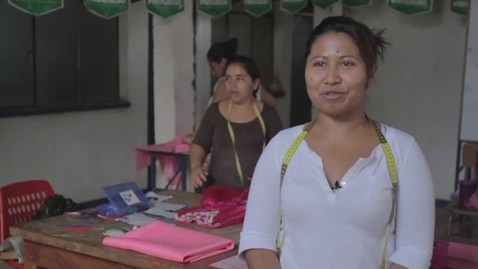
point(165, 241)
point(462, 256)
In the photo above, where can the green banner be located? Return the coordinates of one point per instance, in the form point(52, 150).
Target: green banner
point(165, 8)
point(36, 7)
point(214, 8)
point(460, 7)
point(107, 9)
point(411, 6)
point(257, 7)
point(324, 3)
point(293, 5)
point(356, 3)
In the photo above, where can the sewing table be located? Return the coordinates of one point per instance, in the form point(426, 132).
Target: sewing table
point(48, 245)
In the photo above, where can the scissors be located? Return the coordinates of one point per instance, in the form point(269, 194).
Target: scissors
point(81, 223)
point(87, 228)
point(87, 214)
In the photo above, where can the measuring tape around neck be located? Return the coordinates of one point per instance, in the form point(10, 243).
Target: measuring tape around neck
point(392, 169)
point(233, 138)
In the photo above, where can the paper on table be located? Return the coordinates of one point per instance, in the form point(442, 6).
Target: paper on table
point(161, 213)
point(230, 263)
point(136, 219)
point(157, 197)
point(462, 256)
point(166, 206)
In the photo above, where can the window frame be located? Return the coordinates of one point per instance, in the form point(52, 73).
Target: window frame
point(36, 109)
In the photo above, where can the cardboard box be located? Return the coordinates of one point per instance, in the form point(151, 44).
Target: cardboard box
point(469, 154)
point(8, 255)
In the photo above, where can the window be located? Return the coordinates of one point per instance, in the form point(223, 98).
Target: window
point(62, 61)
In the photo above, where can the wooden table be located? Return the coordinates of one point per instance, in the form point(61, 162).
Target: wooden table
point(48, 245)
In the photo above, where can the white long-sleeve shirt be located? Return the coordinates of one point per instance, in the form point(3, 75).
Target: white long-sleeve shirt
point(323, 229)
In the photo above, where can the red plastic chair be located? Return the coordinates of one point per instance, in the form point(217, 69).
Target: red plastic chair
point(18, 203)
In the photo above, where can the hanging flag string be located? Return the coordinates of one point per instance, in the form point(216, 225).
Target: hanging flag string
point(107, 9)
point(36, 7)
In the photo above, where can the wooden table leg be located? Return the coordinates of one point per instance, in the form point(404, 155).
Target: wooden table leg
point(152, 172)
point(184, 171)
point(450, 224)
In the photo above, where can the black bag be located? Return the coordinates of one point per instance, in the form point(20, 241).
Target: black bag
point(55, 205)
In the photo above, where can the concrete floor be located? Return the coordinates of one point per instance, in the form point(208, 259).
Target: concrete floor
point(467, 233)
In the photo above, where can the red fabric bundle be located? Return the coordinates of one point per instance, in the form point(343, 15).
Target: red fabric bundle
point(221, 206)
point(440, 255)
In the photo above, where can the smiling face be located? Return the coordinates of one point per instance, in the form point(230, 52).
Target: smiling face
point(239, 83)
point(335, 74)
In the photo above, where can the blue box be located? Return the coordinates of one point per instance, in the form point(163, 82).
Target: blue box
point(125, 198)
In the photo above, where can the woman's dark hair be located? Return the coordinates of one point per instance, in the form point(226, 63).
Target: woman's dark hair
point(247, 63)
point(249, 66)
point(222, 50)
point(371, 44)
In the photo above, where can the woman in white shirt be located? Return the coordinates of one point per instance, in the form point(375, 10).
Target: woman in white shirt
point(333, 198)
point(217, 57)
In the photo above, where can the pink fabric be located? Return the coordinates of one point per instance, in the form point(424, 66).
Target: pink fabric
point(221, 206)
point(169, 242)
point(461, 256)
point(218, 195)
point(169, 164)
point(473, 202)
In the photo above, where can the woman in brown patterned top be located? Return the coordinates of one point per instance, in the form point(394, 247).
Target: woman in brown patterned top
point(237, 129)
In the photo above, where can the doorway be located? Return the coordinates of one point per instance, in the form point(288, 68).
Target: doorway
point(300, 105)
point(255, 34)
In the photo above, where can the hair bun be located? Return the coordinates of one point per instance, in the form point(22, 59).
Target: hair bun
point(233, 44)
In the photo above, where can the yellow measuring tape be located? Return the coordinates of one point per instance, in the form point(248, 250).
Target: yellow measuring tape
point(233, 138)
point(392, 169)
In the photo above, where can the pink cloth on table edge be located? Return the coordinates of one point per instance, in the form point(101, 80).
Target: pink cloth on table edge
point(473, 202)
point(169, 164)
point(165, 241)
point(143, 159)
point(462, 256)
